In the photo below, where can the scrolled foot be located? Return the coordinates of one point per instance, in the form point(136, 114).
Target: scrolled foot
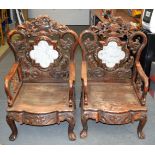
point(84, 120)
point(13, 128)
point(12, 137)
point(72, 136)
point(83, 134)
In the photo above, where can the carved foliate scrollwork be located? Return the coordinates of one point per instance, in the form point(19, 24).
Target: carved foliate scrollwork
point(114, 27)
point(97, 37)
point(42, 25)
point(97, 69)
point(40, 119)
point(114, 118)
point(49, 30)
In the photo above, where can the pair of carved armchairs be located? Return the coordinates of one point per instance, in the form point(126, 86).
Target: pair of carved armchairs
point(40, 85)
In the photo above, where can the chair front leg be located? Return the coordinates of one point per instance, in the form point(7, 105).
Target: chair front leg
point(84, 120)
point(71, 134)
point(13, 127)
point(141, 125)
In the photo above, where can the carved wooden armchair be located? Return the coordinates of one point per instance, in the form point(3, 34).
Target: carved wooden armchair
point(40, 85)
point(114, 85)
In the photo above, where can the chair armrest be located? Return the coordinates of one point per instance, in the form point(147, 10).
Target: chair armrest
point(145, 79)
point(71, 83)
point(8, 79)
point(71, 73)
point(84, 82)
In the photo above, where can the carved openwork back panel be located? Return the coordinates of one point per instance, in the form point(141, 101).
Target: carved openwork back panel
point(44, 49)
point(111, 49)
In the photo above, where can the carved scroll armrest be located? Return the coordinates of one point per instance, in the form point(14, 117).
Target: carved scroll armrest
point(16, 86)
point(84, 82)
point(71, 83)
point(144, 78)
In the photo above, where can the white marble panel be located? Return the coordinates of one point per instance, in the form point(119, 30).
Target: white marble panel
point(44, 54)
point(111, 54)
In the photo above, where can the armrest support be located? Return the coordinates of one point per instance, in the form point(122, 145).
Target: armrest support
point(145, 79)
point(15, 68)
point(143, 76)
point(84, 82)
point(71, 83)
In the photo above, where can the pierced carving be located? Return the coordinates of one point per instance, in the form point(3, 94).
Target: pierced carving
point(45, 29)
point(102, 72)
point(43, 51)
point(98, 37)
point(114, 27)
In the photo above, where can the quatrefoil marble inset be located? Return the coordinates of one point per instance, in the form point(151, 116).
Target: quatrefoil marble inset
point(44, 54)
point(111, 54)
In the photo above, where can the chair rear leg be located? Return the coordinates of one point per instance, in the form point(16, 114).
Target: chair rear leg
point(71, 134)
point(13, 127)
point(141, 125)
point(84, 120)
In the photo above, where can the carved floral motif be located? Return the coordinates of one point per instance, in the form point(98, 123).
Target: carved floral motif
point(105, 67)
point(40, 119)
point(54, 68)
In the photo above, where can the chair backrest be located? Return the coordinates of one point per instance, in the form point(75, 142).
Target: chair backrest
point(44, 49)
point(111, 49)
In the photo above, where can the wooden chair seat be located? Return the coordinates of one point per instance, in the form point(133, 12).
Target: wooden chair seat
point(42, 98)
point(112, 97)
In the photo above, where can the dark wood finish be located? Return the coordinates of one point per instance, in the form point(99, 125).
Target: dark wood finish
point(41, 96)
point(113, 95)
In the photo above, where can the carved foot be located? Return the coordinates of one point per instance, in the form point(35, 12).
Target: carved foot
point(13, 127)
point(12, 137)
point(71, 134)
point(84, 120)
point(83, 134)
point(141, 135)
point(141, 125)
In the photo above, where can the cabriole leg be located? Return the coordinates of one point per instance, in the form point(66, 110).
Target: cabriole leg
point(13, 127)
point(141, 125)
point(84, 120)
point(71, 134)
